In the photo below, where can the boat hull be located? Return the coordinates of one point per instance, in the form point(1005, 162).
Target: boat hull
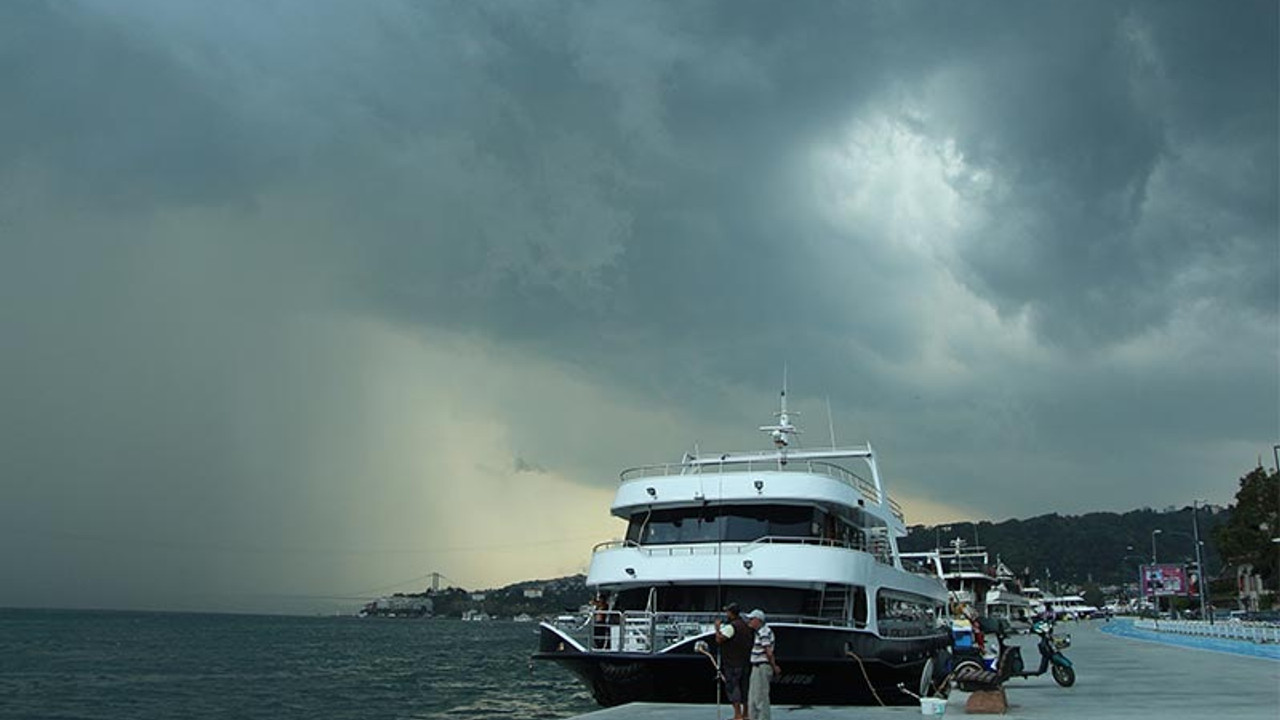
point(818, 668)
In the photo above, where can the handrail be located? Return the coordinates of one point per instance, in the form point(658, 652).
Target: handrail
point(610, 544)
point(812, 467)
point(1247, 631)
point(656, 632)
point(736, 547)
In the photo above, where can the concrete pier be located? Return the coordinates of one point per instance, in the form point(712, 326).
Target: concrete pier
point(1116, 677)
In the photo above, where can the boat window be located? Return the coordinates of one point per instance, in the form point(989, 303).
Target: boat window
point(901, 614)
point(792, 522)
point(745, 523)
point(778, 602)
point(860, 606)
point(636, 526)
point(732, 523)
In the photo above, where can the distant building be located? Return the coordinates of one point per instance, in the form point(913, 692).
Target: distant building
point(533, 592)
point(477, 597)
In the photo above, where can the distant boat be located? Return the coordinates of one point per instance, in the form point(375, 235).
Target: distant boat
point(1073, 607)
point(476, 616)
point(522, 617)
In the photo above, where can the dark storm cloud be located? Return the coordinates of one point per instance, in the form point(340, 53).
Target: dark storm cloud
point(118, 121)
point(1082, 125)
point(1037, 232)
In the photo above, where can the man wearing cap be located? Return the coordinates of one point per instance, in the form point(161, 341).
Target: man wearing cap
point(735, 639)
point(763, 667)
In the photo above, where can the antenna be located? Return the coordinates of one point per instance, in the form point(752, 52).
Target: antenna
point(831, 424)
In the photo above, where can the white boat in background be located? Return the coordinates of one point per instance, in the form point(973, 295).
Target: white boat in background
point(1006, 600)
point(990, 590)
point(1070, 607)
point(1035, 596)
point(808, 535)
point(966, 571)
point(1065, 607)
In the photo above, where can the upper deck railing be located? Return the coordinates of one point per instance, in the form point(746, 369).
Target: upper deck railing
point(811, 467)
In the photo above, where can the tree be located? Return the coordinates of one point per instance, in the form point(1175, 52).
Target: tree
point(1092, 594)
point(1255, 520)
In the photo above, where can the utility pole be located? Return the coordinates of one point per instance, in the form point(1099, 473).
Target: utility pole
point(1155, 596)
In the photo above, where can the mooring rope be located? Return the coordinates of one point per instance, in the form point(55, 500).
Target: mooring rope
point(865, 677)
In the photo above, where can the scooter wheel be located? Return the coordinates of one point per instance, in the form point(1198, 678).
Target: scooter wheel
point(969, 669)
point(1065, 676)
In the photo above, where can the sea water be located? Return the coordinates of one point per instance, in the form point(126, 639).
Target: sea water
point(137, 666)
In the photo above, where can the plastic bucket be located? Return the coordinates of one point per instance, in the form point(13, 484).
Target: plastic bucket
point(933, 706)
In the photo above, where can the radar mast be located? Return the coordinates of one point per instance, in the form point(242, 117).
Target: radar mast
point(781, 432)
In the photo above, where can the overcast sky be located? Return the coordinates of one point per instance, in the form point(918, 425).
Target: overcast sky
point(308, 299)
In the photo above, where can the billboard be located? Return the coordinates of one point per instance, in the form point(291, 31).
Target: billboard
point(1162, 580)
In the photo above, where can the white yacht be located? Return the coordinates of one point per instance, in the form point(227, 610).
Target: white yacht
point(808, 535)
point(966, 571)
point(1070, 607)
point(1006, 599)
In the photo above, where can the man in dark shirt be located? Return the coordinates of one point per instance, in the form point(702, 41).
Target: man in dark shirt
point(735, 639)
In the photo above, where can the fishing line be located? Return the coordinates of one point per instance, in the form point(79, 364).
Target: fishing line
point(720, 528)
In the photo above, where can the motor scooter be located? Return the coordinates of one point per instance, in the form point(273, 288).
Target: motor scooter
point(1051, 657)
point(974, 672)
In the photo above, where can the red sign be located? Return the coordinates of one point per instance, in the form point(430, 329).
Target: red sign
point(1162, 580)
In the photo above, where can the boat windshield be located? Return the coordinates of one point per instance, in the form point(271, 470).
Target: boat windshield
point(736, 523)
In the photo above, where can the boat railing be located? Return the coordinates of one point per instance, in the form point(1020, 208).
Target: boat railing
point(919, 563)
point(643, 631)
point(812, 467)
point(737, 547)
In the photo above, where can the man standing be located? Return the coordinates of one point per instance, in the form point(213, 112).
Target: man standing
point(735, 640)
point(763, 667)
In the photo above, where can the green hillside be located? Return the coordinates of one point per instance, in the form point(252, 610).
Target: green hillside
point(1102, 548)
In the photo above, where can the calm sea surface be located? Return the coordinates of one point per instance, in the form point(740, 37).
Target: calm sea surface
point(136, 666)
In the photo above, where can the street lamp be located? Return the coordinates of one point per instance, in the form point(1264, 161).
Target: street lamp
point(1154, 533)
point(1195, 527)
point(1196, 540)
point(1137, 570)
